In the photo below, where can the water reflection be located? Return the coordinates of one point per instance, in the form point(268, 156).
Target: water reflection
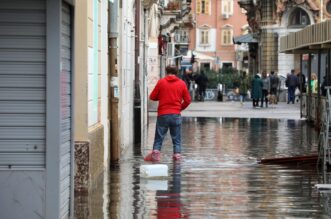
point(219, 176)
point(169, 203)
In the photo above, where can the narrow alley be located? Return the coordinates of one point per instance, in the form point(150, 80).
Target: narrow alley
point(239, 83)
point(219, 176)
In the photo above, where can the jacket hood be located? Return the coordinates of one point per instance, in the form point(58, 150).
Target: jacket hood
point(171, 78)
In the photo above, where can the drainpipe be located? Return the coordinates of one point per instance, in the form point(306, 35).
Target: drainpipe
point(328, 70)
point(113, 84)
point(301, 88)
point(161, 67)
point(144, 63)
point(318, 112)
point(137, 95)
point(309, 96)
point(216, 22)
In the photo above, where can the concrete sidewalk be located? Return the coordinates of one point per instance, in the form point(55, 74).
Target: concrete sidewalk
point(236, 110)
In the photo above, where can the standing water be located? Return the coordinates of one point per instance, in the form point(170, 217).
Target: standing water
point(219, 176)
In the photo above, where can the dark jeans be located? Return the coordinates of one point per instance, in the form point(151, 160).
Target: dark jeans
point(273, 91)
point(202, 92)
point(291, 95)
point(163, 123)
point(255, 102)
point(264, 98)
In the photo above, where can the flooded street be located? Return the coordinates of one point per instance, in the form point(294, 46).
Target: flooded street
point(219, 176)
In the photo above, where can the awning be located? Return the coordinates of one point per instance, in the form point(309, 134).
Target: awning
point(198, 56)
point(247, 38)
point(311, 38)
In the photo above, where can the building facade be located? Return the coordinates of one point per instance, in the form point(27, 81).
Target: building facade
point(216, 23)
point(55, 115)
point(271, 19)
point(169, 41)
point(37, 105)
point(313, 42)
point(74, 92)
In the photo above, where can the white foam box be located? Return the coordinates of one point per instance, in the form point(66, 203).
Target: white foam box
point(154, 170)
point(154, 184)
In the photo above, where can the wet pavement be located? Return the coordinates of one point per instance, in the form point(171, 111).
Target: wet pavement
point(219, 176)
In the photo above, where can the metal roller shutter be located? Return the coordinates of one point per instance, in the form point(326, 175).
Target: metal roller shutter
point(65, 149)
point(22, 84)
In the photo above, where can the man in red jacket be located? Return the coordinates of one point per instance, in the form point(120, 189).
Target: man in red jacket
point(173, 97)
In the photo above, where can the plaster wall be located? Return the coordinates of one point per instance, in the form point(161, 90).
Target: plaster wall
point(80, 65)
point(91, 82)
point(126, 73)
point(216, 22)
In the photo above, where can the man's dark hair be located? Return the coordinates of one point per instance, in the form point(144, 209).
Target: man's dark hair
point(171, 70)
point(292, 71)
point(272, 72)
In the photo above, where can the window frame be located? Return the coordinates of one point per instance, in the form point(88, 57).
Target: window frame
point(203, 7)
point(328, 7)
point(226, 36)
point(223, 63)
point(293, 16)
point(204, 37)
point(227, 7)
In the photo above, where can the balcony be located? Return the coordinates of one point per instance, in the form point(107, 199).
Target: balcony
point(175, 14)
point(149, 3)
point(182, 39)
point(251, 10)
point(247, 4)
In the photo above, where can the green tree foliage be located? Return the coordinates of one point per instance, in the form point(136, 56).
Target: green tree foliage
point(229, 77)
point(212, 79)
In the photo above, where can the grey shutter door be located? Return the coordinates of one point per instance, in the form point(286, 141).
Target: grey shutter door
point(22, 84)
point(66, 142)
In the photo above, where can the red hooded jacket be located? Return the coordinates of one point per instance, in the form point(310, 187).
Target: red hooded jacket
point(172, 94)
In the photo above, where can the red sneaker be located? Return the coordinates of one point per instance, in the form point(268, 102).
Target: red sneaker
point(148, 156)
point(177, 156)
point(156, 155)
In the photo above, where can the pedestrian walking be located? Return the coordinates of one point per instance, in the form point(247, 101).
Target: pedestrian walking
point(256, 90)
point(302, 82)
point(187, 77)
point(243, 87)
point(173, 97)
point(202, 82)
point(324, 84)
point(274, 85)
point(265, 89)
point(313, 83)
point(291, 83)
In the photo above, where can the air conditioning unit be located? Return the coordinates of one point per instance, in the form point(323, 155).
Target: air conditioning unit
point(170, 49)
point(226, 16)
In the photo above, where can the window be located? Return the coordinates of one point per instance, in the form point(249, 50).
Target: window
point(227, 8)
point(204, 37)
point(205, 66)
point(226, 35)
point(203, 6)
point(299, 18)
point(227, 65)
point(328, 7)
